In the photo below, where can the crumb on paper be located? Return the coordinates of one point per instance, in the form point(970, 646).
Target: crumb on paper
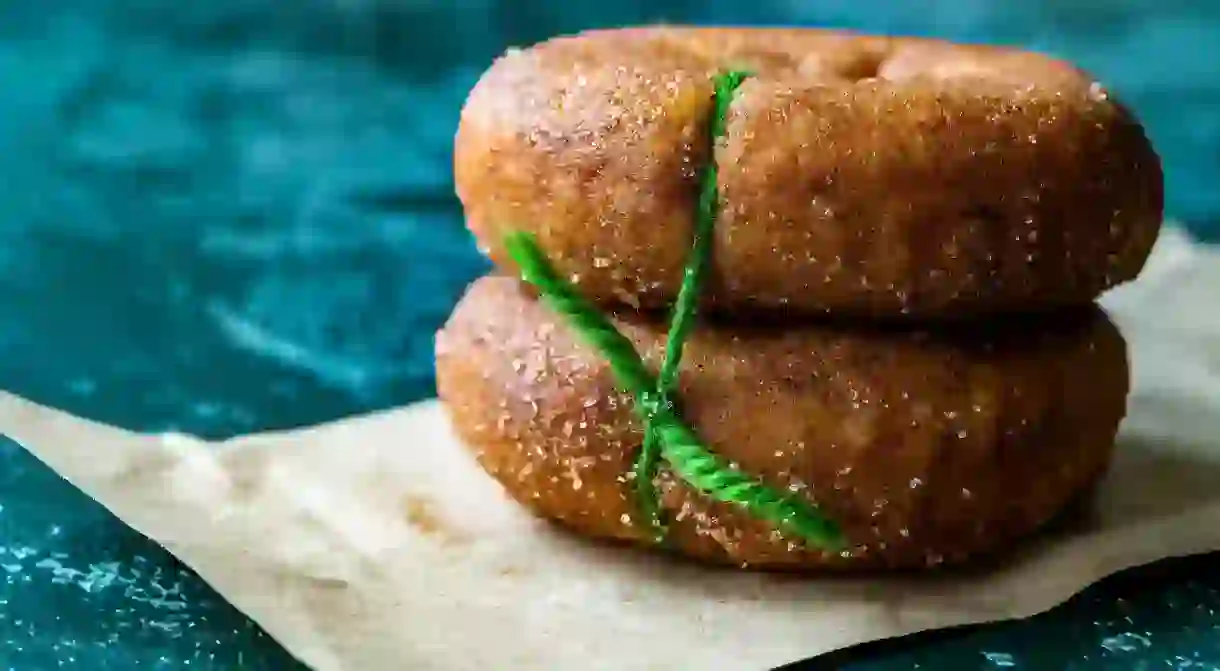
point(329, 583)
point(422, 515)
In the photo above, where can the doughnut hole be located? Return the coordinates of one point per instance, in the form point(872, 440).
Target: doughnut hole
point(862, 65)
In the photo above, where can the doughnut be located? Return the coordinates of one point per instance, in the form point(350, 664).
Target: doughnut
point(927, 446)
point(884, 178)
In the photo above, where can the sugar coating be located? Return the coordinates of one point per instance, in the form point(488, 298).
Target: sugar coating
point(860, 175)
point(929, 446)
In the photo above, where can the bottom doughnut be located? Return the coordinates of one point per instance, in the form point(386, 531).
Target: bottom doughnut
point(926, 447)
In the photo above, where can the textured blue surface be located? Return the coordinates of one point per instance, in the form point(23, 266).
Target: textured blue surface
point(232, 215)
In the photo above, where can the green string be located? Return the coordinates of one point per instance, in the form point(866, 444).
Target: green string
point(683, 318)
point(681, 448)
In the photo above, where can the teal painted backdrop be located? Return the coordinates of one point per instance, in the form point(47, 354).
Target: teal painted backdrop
point(232, 215)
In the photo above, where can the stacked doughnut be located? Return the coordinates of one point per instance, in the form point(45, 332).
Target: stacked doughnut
point(898, 323)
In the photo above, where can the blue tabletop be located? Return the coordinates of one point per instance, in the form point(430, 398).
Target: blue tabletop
point(233, 215)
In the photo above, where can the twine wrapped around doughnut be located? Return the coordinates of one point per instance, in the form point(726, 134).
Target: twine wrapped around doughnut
point(666, 437)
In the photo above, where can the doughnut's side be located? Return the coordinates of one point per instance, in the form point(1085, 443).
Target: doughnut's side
point(926, 448)
point(867, 176)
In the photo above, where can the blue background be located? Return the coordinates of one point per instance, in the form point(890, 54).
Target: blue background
point(232, 215)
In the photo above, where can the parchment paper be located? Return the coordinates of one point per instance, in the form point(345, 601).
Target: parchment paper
point(375, 543)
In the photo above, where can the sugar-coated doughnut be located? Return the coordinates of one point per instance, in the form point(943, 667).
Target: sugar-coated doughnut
point(926, 446)
point(867, 176)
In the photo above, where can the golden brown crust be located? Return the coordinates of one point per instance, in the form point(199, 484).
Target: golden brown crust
point(861, 175)
point(928, 448)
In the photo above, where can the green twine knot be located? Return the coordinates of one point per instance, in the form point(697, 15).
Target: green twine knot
point(666, 437)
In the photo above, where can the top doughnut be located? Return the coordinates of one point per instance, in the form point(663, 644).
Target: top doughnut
point(860, 175)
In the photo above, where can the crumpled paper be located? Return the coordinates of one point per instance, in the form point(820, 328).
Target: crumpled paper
point(376, 543)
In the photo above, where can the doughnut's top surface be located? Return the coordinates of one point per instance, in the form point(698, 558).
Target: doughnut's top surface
point(860, 175)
